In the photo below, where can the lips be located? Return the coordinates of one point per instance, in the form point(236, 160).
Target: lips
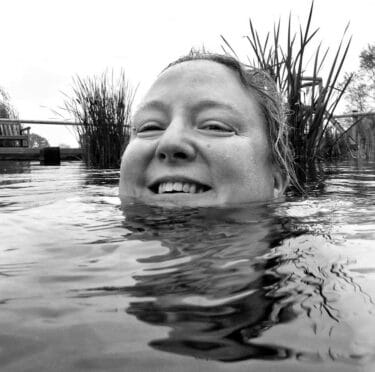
point(173, 186)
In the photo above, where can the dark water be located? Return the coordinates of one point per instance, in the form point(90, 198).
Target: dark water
point(86, 285)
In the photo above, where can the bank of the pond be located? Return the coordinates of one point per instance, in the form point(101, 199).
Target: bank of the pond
point(30, 154)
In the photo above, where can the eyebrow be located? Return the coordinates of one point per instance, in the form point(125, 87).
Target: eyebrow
point(207, 104)
point(153, 105)
point(196, 108)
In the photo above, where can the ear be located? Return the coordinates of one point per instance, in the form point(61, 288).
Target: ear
point(280, 183)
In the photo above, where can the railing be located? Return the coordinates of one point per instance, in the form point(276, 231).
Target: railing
point(354, 114)
point(47, 122)
point(13, 135)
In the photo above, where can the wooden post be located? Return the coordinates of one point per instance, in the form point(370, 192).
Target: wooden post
point(50, 156)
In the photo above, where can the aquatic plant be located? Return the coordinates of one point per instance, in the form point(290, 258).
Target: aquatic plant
point(103, 109)
point(310, 100)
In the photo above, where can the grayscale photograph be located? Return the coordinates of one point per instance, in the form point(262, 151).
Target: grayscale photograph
point(187, 186)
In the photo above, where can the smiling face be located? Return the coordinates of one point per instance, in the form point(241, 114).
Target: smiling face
point(199, 139)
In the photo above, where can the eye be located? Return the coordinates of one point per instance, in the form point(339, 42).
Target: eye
point(149, 127)
point(216, 126)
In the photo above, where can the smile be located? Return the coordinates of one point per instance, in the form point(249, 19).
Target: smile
point(178, 187)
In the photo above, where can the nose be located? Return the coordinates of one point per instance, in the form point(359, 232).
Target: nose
point(176, 144)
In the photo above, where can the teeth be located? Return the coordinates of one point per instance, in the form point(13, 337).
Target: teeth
point(169, 186)
point(179, 187)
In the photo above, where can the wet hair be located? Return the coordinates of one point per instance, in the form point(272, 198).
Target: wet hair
point(270, 102)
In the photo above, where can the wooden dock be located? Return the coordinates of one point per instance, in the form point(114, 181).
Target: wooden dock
point(26, 153)
point(23, 153)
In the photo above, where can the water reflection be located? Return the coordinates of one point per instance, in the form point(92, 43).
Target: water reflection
point(293, 282)
point(245, 283)
point(352, 177)
point(99, 177)
point(14, 167)
point(215, 286)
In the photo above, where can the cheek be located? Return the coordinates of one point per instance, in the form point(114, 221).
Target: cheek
point(134, 161)
point(244, 166)
point(236, 159)
point(137, 154)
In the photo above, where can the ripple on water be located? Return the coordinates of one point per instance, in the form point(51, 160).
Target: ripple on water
point(85, 284)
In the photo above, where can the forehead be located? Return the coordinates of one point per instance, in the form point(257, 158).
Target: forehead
point(199, 80)
point(200, 71)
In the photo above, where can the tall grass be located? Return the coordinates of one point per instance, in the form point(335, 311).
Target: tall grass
point(102, 106)
point(311, 100)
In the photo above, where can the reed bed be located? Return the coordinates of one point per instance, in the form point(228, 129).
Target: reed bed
point(310, 100)
point(102, 106)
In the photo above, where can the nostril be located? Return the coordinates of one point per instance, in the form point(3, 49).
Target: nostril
point(180, 155)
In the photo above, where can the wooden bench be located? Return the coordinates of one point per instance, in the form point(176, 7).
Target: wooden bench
point(13, 135)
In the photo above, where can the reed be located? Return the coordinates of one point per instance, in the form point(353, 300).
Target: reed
point(311, 100)
point(102, 106)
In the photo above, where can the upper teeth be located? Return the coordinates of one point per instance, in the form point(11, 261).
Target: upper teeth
point(179, 187)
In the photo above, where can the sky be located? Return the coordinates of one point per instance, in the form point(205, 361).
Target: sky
point(46, 43)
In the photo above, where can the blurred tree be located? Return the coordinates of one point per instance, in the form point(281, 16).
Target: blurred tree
point(367, 60)
point(6, 109)
point(6, 112)
point(360, 94)
point(64, 146)
point(37, 141)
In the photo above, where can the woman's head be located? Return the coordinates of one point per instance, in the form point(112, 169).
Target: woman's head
point(210, 131)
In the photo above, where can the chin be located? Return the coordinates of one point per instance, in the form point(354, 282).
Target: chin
point(209, 198)
point(172, 200)
point(205, 199)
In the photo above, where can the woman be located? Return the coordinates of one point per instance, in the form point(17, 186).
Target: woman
point(210, 131)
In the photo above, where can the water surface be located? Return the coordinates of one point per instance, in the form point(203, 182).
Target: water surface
point(87, 284)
